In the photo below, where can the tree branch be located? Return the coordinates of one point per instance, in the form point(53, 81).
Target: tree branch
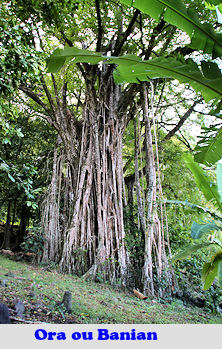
point(34, 97)
point(126, 98)
point(48, 94)
point(27, 321)
point(185, 141)
point(183, 51)
point(86, 66)
point(181, 122)
point(128, 31)
point(67, 41)
point(100, 27)
point(55, 90)
point(156, 31)
point(64, 94)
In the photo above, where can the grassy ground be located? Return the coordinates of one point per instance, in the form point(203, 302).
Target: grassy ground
point(92, 303)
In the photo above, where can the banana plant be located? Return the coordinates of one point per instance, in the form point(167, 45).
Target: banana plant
point(203, 37)
point(211, 230)
point(209, 148)
point(206, 79)
point(133, 69)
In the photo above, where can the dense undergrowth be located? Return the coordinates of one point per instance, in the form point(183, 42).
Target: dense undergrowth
point(40, 289)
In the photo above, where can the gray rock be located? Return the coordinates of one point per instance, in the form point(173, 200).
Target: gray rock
point(67, 301)
point(10, 274)
point(19, 307)
point(4, 314)
point(4, 283)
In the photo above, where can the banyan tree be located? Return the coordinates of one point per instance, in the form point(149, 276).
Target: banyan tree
point(83, 212)
point(101, 80)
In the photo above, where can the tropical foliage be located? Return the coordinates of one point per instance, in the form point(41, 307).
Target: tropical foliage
point(176, 13)
point(210, 229)
point(99, 100)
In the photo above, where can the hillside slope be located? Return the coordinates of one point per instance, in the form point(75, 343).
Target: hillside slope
point(41, 290)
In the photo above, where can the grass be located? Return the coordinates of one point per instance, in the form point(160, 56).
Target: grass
point(92, 303)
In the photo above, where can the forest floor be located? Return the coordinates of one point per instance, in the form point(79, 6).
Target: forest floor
point(40, 291)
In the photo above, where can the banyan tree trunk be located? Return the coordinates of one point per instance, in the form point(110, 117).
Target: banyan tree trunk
point(86, 234)
point(51, 213)
point(94, 244)
point(6, 240)
point(155, 254)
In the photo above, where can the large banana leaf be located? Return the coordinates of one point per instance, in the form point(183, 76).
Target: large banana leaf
point(204, 183)
point(214, 5)
point(198, 230)
point(209, 272)
point(133, 69)
point(61, 56)
point(219, 273)
point(209, 148)
point(214, 2)
point(217, 109)
point(219, 179)
point(194, 207)
point(189, 251)
point(203, 37)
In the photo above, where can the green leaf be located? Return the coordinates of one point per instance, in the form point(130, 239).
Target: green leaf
point(37, 190)
point(204, 183)
point(12, 178)
point(203, 37)
point(219, 13)
point(210, 6)
point(219, 179)
point(216, 257)
point(133, 69)
point(212, 269)
point(62, 56)
point(209, 149)
point(194, 207)
point(34, 206)
point(219, 273)
point(218, 110)
point(198, 230)
point(213, 2)
point(210, 70)
point(19, 133)
point(6, 141)
point(209, 273)
point(190, 250)
point(4, 167)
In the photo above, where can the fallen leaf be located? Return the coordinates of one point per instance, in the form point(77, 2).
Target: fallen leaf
point(139, 294)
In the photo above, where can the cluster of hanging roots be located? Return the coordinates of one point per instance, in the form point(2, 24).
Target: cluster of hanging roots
point(83, 217)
